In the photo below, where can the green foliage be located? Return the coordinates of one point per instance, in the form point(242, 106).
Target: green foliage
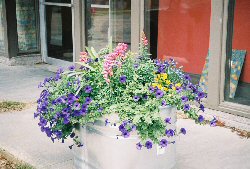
point(113, 81)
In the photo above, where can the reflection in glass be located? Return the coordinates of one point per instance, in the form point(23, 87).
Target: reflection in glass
point(121, 21)
point(2, 47)
point(27, 29)
point(59, 1)
point(59, 32)
point(97, 23)
point(100, 2)
point(151, 22)
point(237, 84)
point(102, 17)
point(180, 30)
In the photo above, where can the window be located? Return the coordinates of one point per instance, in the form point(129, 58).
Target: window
point(27, 26)
point(180, 30)
point(121, 21)
point(237, 84)
point(59, 1)
point(97, 23)
point(107, 18)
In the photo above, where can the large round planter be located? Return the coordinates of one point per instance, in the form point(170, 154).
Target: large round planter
point(102, 149)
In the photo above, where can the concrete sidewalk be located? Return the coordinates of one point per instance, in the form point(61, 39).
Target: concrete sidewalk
point(21, 136)
point(19, 83)
point(203, 147)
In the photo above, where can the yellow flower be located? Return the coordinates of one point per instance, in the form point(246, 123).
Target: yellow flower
point(159, 86)
point(174, 88)
point(168, 82)
point(164, 76)
point(154, 84)
point(178, 85)
point(165, 88)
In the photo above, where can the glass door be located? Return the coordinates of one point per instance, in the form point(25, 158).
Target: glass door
point(58, 31)
point(107, 18)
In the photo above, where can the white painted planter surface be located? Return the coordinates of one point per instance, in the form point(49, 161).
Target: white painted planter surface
point(102, 149)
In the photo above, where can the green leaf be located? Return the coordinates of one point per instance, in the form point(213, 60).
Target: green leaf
point(110, 45)
point(74, 73)
point(85, 65)
point(90, 53)
point(94, 52)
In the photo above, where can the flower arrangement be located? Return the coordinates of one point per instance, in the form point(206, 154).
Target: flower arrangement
point(117, 81)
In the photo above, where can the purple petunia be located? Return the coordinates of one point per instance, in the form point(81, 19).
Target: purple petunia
point(72, 68)
point(161, 69)
point(168, 120)
point(151, 89)
point(71, 98)
point(36, 114)
point(139, 146)
point(106, 122)
point(100, 109)
point(85, 106)
point(183, 131)
point(200, 119)
point(213, 122)
point(159, 94)
point(125, 134)
point(77, 106)
point(184, 99)
point(133, 128)
point(48, 131)
point(187, 77)
point(88, 89)
point(60, 71)
point(164, 103)
point(58, 134)
point(163, 143)
point(88, 100)
point(136, 98)
point(123, 79)
point(40, 85)
point(149, 144)
point(66, 121)
point(122, 128)
point(178, 89)
point(136, 66)
point(201, 95)
point(72, 135)
point(83, 112)
point(169, 132)
point(186, 107)
point(202, 108)
point(145, 97)
point(43, 122)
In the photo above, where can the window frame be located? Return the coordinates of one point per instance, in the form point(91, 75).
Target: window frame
point(38, 41)
point(5, 52)
point(217, 69)
point(217, 61)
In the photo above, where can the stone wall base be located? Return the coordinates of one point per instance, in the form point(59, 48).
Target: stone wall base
point(30, 59)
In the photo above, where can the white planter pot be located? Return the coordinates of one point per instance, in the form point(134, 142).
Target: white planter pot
point(102, 149)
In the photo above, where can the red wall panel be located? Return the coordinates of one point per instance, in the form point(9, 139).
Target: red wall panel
point(183, 32)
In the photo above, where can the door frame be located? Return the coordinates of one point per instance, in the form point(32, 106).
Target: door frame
point(79, 32)
point(43, 32)
point(135, 18)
